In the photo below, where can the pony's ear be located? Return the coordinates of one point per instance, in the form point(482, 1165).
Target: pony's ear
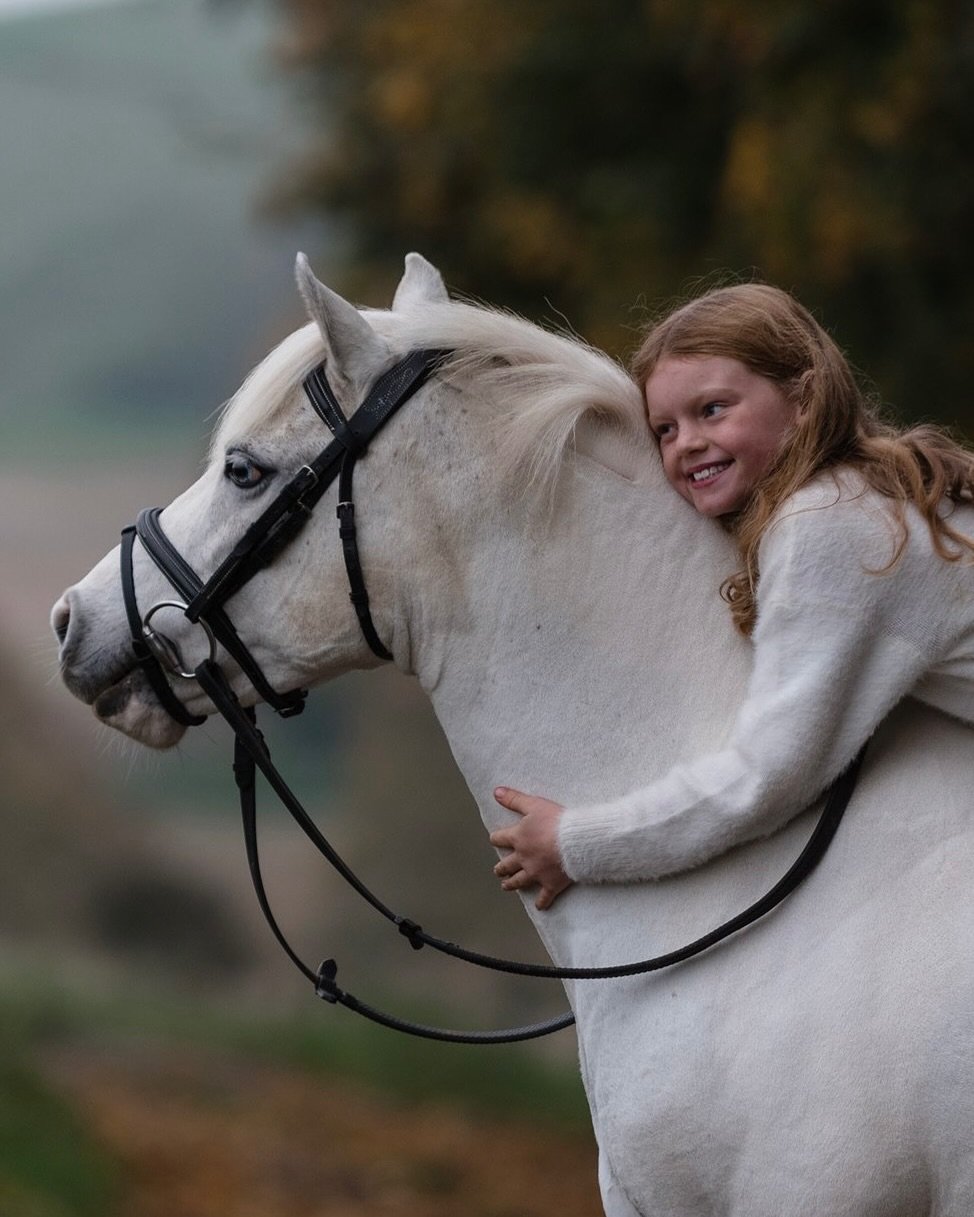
point(421, 283)
point(354, 352)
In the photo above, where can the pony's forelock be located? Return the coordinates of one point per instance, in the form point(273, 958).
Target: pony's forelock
point(270, 385)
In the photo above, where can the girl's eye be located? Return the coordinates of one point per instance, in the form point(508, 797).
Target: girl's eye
point(712, 408)
point(663, 430)
point(242, 471)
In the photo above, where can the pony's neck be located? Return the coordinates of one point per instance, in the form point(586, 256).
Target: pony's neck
point(583, 651)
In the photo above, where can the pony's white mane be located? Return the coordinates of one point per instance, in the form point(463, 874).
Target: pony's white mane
point(541, 384)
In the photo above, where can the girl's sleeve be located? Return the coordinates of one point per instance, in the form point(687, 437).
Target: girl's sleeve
point(835, 648)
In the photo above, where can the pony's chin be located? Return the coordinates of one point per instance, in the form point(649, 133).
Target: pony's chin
point(130, 707)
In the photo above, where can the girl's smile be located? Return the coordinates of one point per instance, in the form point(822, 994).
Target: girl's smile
point(719, 427)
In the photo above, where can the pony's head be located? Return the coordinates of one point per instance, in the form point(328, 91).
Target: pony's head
point(499, 413)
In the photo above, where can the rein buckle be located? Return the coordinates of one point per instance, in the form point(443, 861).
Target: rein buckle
point(325, 986)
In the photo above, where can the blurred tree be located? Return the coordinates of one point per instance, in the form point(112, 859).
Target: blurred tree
point(598, 155)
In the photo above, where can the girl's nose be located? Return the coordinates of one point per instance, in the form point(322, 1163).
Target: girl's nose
point(691, 439)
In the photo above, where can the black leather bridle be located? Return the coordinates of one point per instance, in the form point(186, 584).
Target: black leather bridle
point(202, 602)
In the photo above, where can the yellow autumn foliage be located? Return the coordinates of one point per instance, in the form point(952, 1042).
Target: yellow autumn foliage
point(598, 155)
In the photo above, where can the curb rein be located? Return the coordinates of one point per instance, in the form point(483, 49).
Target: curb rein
point(202, 604)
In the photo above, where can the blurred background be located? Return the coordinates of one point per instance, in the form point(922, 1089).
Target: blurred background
point(163, 160)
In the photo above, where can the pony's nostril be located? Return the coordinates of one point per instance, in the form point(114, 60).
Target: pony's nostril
point(61, 619)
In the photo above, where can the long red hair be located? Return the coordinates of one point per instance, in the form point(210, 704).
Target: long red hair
point(837, 422)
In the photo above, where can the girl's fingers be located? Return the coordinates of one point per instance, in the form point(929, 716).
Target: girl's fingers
point(507, 866)
point(548, 895)
point(525, 804)
point(511, 799)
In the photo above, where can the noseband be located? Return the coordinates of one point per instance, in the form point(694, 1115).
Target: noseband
point(202, 603)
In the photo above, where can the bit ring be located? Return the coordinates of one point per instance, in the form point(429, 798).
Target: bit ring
point(164, 649)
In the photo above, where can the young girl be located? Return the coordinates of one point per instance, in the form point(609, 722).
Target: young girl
point(856, 586)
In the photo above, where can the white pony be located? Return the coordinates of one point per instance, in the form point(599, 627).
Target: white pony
point(558, 602)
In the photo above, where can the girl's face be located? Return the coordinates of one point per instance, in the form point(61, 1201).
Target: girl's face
point(719, 426)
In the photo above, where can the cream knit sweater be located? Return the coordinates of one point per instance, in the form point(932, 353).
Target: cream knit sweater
point(835, 648)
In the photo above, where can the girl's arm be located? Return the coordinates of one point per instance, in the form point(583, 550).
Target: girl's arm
point(835, 648)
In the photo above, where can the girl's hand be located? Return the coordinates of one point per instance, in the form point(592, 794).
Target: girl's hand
point(534, 860)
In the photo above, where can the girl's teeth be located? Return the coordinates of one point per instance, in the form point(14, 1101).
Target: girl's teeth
point(701, 474)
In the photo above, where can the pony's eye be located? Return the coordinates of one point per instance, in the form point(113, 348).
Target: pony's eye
point(242, 471)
